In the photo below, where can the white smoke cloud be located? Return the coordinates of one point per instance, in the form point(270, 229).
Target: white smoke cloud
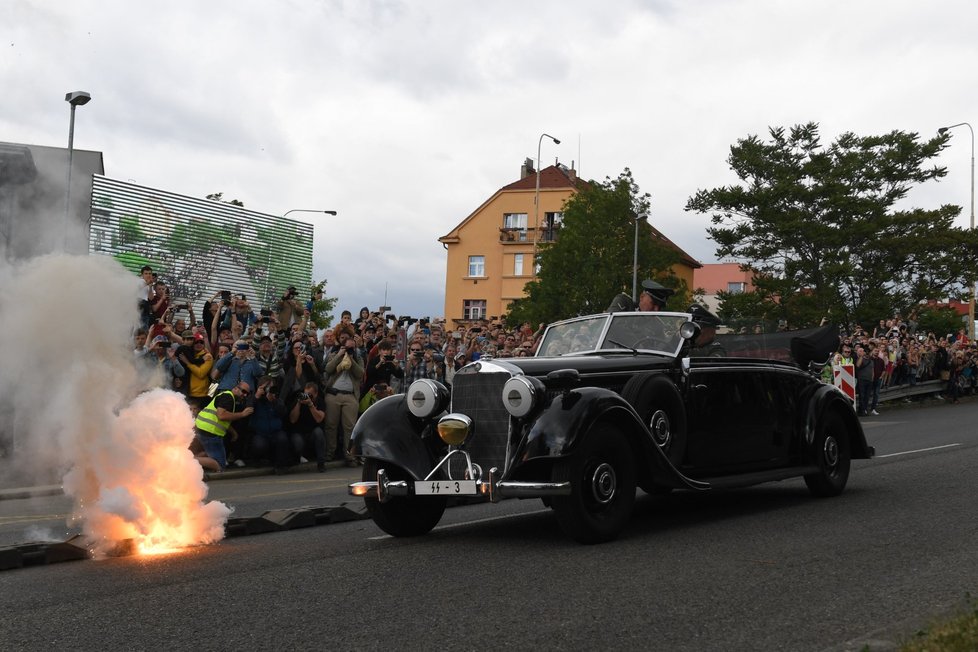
point(76, 406)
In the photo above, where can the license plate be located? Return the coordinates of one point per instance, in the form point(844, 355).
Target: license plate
point(445, 488)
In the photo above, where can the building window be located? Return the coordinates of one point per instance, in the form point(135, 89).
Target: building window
point(736, 288)
point(516, 222)
point(518, 265)
point(474, 309)
point(477, 265)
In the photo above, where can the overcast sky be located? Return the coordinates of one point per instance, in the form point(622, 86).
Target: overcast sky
point(405, 116)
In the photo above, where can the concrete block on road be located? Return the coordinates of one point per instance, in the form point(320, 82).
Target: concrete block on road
point(10, 558)
point(290, 519)
point(338, 514)
point(236, 527)
point(74, 549)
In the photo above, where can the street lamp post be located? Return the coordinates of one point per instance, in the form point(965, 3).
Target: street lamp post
point(536, 201)
point(639, 217)
point(75, 98)
point(971, 302)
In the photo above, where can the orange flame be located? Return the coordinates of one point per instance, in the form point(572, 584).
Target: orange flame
point(141, 482)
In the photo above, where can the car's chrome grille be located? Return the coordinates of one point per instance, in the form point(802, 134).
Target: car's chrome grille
point(479, 396)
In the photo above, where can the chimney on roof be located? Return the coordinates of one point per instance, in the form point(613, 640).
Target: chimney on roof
point(527, 168)
point(572, 173)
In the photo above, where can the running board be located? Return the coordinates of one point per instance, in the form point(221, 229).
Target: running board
point(748, 479)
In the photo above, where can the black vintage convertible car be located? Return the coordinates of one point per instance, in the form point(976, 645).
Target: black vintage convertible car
point(609, 403)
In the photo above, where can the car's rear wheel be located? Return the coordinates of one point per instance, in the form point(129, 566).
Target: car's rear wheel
point(659, 405)
point(401, 516)
point(602, 477)
point(832, 456)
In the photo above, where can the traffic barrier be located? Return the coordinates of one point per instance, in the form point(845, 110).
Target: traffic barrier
point(844, 377)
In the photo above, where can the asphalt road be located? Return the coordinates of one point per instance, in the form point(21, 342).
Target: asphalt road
point(763, 568)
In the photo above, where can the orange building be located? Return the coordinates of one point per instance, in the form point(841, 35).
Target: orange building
point(491, 252)
point(727, 277)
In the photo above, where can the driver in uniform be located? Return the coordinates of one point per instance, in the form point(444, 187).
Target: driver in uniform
point(653, 297)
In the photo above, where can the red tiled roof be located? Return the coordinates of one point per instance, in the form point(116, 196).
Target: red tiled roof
point(550, 177)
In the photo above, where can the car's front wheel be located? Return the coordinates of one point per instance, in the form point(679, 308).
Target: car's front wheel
point(602, 477)
point(831, 450)
point(401, 516)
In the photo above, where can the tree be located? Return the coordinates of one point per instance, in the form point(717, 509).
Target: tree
point(591, 261)
point(321, 313)
point(940, 321)
point(218, 196)
point(819, 224)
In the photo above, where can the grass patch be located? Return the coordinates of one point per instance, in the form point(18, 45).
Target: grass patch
point(958, 634)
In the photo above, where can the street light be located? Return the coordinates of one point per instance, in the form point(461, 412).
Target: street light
point(308, 210)
point(75, 98)
point(638, 218)
point(536, 201)
point(971, 302)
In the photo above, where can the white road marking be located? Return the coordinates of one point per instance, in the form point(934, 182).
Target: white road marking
point(478, 520)
point(919, 450)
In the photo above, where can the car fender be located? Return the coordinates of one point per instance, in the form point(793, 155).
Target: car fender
point(388, 432)
point(565, 422)
point(828, 397)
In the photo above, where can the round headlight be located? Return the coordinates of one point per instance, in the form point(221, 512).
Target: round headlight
point(454, 429)
point(520, 396)
point(426, 398)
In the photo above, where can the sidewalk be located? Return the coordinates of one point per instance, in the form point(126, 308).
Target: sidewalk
point(16, 493)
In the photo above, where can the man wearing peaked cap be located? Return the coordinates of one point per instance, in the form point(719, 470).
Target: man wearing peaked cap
point(653, 297)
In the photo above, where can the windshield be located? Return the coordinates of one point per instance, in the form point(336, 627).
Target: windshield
point(646, 331)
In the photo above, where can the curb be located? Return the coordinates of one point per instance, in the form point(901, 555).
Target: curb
point(31, 492)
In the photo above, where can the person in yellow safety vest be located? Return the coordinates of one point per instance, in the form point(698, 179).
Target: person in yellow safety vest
point(212, 424)
point(844, 357)
point(840, 357)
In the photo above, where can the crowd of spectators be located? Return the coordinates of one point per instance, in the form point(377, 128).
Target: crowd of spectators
point(895, 353)
point(306, 383)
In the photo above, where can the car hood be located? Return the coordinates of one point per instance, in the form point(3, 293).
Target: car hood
point(616, 363)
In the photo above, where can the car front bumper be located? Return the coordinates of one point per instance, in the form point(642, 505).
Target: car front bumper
point(383, 488)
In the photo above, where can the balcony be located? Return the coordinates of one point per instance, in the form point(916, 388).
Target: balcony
point(514, 235)
point(523, 236)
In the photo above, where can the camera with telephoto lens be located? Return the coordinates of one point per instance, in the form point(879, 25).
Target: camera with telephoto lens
point(303, 396)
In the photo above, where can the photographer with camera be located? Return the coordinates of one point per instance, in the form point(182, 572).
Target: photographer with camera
point(242, 312)
point(343, 377)
point(269, 439)
point(289, 308)
point(300, 367)
point(419, 363)
point(306, 415)
point(382, 366)
point(161, 359)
